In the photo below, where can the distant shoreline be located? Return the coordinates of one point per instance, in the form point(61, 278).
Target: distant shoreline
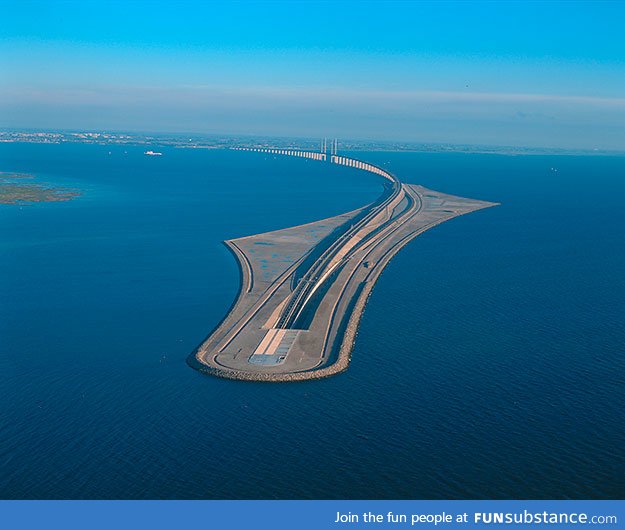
point(210, 141)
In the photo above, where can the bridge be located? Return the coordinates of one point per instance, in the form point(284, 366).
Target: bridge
point(304, 289)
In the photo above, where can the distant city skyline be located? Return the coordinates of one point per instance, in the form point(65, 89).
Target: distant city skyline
point(519, 74)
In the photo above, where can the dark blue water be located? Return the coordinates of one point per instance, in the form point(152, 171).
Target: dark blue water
point(490, 361)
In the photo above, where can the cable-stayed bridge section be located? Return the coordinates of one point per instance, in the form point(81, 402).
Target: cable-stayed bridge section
point(303, 289)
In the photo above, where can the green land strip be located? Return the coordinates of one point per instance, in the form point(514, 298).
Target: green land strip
point(16, 188)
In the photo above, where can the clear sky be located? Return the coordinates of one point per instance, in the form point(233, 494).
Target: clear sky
point(503, 73)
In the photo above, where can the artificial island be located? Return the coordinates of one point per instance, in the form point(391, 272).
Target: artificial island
point(303, 289)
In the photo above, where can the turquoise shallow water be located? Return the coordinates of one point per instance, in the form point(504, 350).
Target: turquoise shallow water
point(489, 362)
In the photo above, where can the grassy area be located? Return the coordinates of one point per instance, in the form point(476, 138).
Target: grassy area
point(20, 189)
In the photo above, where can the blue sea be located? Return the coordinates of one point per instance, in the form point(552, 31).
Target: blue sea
point(490, 361)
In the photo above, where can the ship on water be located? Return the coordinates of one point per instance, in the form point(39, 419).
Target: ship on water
point(153, 153)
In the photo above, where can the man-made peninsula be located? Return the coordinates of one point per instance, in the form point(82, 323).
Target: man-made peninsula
point(304, 289)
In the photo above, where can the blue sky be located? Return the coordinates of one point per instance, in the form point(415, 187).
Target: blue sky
point(506, 73)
